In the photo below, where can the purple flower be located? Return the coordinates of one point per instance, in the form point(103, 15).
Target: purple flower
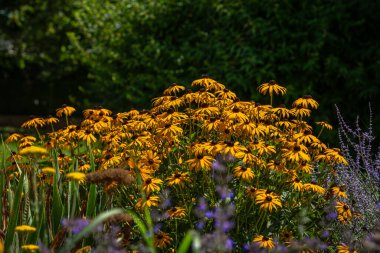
point(75, 225)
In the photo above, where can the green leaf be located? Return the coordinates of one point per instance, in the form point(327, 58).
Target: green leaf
point(14, 217)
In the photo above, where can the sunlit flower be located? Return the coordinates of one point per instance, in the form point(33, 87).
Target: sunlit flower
point(200, 162)
point(76, 176)
point(314, 187)
point(176, 212)
point(33, 150)
point(271, 87)
point(150, 201)
point(25, 228)
point(297, 184)
point(343, 209)
point(296, 153)
point(51, 120)
point(30, 247)
point(48, 170)
point(87, 136)
point(34, 123)
point(343, 248)
point(339, 192)
point(151, 185)
point(65, 110)
point(13, 138)
point(324, 124)
point(268, 201)
point(251, 192)
point(264, 242)
point(174, 89)
point(178, 178)
point(306, 102)
point(243, 172)
point(150, 160)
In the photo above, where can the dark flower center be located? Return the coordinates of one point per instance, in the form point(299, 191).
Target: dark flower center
point(199, 157)
point(150, 161)
point(272, 82)
point(177, 175)
point(307, 96)
point(235, 110)
point(226, 90)
point(268, 198)
point(148, 181)
point(297, 148)
point(243, 168)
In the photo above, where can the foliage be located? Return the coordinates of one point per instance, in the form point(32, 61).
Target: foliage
point(241, 175)
point(117, 52)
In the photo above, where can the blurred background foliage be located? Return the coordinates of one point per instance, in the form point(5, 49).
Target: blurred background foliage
point(121, 54)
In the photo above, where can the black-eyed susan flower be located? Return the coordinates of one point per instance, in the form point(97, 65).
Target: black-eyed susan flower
point(296, 153)
point(162, 240)
point(243, 172)
point(306, 102)
point(251, 192)
point(225, 94)
point(200, 162)
point(13, 137)
point(174, 89)
point(178, 178)
point(324, 124)
point(51, 120)
point(297, 184)
point(268, 200)
point(233, 148)
point(65, 110)
point(150, 159)
point(148, 202)
point(300, 112)
point(305, 137)
point(312, 186)
point(76, 176)
point(87, 136)
point(343, 209)
point(236, 114)
point(33, 123)
point(48, 170)
point(25, 228)
point(343, 248)
point(263, 241)
point(176, 212)
point(271, 87)
point(33, 150)
point(205, 81)
point(30, 247)
point(152, 185)
point(339, 192)
point(282, 111)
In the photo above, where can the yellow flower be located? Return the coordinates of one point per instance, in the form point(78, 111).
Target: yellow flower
point(26, 228)
point(324, 124)
point(65, 110)
point(150, 201)
point(51, 120)
point(13, 137)
point(343, 209)
point(76, 176)
point(243, 172)
point(34, 122)
point(33, 150)
point(305, 102)
point(174, 89)
point(268, 200)
point(264, 242)
point(200, 162)
point(30, 247)
point(343, 248)
point(271, 87)
point(176, 212)
point(306, 137)
point(339, 192)
point(297, 184)
point(151, 185)
point(162, 240)
point(296, 153)
point(150, 160)
point(314, 187)
point(87, 136)
point(178, 178)
point(48, 170)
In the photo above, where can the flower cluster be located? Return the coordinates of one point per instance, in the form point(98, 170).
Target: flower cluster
point(272, 167)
